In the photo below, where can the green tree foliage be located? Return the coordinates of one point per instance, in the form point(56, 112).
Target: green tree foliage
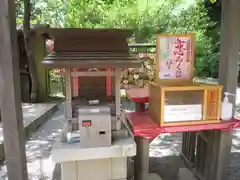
point(43, 12)
point(196, 20)
point(148, 17)
point(145, 17)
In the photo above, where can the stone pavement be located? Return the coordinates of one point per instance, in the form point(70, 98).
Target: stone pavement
point(34, 115)
point(31, 112)
point(38, 149)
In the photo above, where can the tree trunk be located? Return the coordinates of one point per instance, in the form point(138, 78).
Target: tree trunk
point(28, 49)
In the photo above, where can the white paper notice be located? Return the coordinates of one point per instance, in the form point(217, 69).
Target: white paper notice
point(176, 113)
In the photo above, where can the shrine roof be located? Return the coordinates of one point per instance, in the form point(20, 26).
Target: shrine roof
point(91, 48)
point(93, 60)
point(86, 32)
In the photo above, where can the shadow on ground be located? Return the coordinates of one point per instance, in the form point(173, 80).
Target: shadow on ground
point(165, 159)
point(38, 149)
point(164, 153)
point(167, 167)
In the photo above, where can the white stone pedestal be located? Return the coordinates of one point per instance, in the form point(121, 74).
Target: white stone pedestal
point(102, 163)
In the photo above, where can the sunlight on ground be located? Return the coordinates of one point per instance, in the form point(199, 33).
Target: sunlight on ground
point(38, 149)
point(166, 144)
point(30, 113)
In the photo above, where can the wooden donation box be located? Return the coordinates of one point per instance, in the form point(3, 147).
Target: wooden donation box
point(175, 99)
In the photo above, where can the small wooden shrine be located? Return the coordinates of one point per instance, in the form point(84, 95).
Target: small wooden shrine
point(95, 138)
point(93, 57)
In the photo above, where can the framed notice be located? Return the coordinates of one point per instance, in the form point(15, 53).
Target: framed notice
point(175, 57)
point(178, 113)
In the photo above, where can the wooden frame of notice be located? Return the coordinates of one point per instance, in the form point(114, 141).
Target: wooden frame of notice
point(190, 58)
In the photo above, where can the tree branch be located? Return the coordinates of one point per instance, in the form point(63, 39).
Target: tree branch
point(28, 49)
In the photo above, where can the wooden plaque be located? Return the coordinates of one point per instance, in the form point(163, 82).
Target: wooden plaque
point(175, 57)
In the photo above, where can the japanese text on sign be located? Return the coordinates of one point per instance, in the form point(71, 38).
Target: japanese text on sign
point(175, 57)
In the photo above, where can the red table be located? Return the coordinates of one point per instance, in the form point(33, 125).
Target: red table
point(144, 126)
point(145, 130)
point(138, 95)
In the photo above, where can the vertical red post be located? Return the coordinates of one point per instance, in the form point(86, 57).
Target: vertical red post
point(75, 81)
point(51, 46)
point(108, 84)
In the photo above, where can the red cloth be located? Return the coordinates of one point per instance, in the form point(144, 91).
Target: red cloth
point(144, 126)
